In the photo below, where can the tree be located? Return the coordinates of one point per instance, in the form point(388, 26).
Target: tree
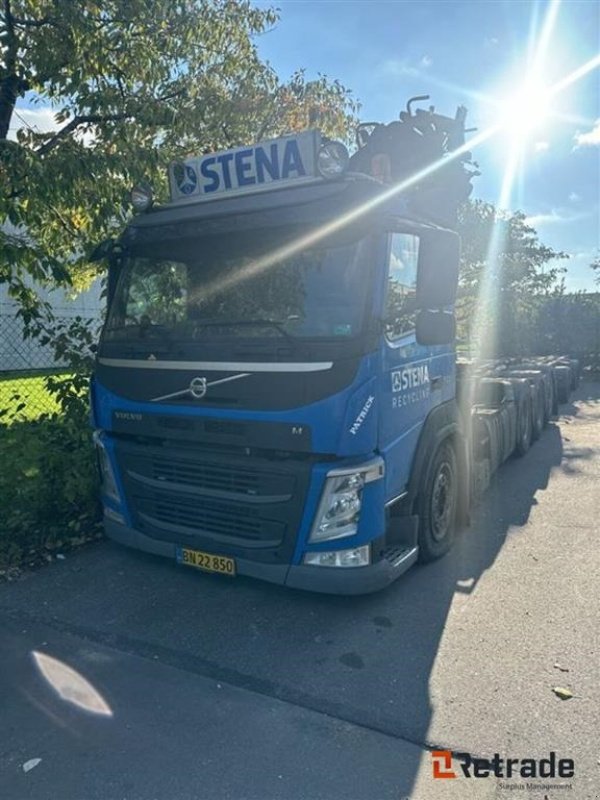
point(595, 265)
point(505, 271)
point(133, 84)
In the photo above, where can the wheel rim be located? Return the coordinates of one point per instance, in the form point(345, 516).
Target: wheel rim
point(442, 502)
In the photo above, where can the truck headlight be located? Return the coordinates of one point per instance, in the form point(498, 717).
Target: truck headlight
point(109, 483)
point(355, 557)
point(341, 501)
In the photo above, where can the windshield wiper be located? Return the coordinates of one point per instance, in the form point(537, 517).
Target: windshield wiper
point(141, 330)
point(123, 328)
point(144, 338)
point(254, 323)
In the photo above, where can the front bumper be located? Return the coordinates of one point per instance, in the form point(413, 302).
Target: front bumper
point(329, 580)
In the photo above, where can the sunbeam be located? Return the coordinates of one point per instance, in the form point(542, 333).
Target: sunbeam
point(540, 46)
point(574, 76)
point(532, 99)
point(521, 115)
point(318, 234)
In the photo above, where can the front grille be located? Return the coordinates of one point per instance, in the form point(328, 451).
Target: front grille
point(220, 478)
point(230, 504)
point(224, 426)
point(216, 519)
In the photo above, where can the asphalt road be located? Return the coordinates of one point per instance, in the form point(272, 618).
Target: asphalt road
point(208, 688)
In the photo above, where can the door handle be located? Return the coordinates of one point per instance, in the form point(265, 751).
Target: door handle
point(436, 383)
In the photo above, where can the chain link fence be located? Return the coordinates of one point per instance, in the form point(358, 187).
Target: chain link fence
point(48, 474)
point(568, 324)
point(26, 362)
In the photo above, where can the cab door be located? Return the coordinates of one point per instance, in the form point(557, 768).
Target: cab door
point(415, 378)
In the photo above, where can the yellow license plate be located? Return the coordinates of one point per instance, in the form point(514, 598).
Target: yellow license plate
point(206, 561)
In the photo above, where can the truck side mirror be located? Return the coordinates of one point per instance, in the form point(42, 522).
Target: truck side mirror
point(114, 270)
point(102, 250)
point(435, 327)
point(437, 273)
point(111, 250)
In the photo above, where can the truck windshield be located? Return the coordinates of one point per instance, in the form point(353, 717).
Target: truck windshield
point(219, 288)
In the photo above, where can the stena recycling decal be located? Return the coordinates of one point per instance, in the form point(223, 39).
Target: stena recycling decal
point(410, 384)
point(267, 165)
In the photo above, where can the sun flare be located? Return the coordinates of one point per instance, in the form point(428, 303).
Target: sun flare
point(526, 111)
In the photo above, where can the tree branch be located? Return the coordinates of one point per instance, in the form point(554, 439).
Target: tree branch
point(84, 119)
point(32, 23)
point(93, 119)
point(9, 85)
point(171, 96)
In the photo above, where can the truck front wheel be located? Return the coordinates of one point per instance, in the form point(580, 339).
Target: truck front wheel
point(437, 505)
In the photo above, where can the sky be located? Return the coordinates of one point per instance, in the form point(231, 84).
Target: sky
point(477, 54)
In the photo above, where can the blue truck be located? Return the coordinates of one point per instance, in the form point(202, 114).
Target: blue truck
point(276, 391)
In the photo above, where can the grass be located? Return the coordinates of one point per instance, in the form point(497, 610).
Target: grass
point(24, 396)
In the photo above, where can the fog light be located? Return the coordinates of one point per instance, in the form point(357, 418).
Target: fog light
point(114, 515)
point(355, 557)
point(141, 196)
point(333, 159)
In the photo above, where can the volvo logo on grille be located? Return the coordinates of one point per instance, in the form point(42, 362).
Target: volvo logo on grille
point(198, 388)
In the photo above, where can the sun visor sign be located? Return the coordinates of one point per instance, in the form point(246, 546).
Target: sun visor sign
point(268, 165)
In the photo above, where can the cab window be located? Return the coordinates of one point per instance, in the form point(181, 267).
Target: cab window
point(401, 290)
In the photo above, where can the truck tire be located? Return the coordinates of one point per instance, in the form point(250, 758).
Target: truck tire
point(554, 395)
point(575, 370)
point(436, 505)
point(524, 426)
point(545, 373)
point(494, 429)
point(539, 411)
point(549, 410)
point(562, 374)
point(540, 403)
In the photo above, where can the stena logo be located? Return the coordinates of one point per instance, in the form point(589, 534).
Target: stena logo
point(410, 377)
point(251, 166)
point(246, 169)
point(185, 178)
point(410, 385)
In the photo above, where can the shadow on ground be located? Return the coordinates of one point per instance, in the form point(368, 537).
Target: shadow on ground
point(365, 660)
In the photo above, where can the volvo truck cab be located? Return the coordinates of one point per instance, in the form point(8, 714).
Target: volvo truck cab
point(275, 388)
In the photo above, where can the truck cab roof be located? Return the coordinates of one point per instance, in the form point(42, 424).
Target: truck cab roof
point(355, 199)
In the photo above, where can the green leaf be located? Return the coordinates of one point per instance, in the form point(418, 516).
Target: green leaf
point(134, 73)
